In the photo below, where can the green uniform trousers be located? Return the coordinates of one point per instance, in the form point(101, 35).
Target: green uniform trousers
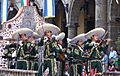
point(48, 63)
point(97, 64)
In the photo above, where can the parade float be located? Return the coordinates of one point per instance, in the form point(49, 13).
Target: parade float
point(27, 17)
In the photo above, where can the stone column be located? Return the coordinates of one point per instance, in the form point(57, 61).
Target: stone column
point(72, 31)
point(101, 13)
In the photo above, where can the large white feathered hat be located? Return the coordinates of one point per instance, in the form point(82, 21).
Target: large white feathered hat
point(26, 31)
point(60, 36)
point(48, 27)
point(97, 31)
point(36, 35)
point(77, 38)
point(8, 38)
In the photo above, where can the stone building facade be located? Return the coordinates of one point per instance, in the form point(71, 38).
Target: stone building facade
point(80, 16)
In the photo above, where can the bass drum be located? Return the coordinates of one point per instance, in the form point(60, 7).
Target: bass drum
point(117, 64)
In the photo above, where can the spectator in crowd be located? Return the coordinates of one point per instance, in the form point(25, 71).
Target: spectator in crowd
point(105, 61)
point(112, 54)
point(112, 57)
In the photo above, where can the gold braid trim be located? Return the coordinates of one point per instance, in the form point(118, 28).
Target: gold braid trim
point(52, 62)
point(76, 70)
point(22, 52)
point(98, 52)
point(91, 51)
point(47, 49)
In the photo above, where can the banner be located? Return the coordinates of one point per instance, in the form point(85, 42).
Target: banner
point(49, 8)
point(4, 10)
point(0, 13)
point(24, 2)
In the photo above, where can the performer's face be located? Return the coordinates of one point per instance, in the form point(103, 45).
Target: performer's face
point(23, 37)
point(80, 42)
point(111, 48)
point(48, 33)
point(31, 38)
point(60, 41)
point(95, 37)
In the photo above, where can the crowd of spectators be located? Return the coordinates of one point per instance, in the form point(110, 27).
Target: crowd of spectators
point(111, 60)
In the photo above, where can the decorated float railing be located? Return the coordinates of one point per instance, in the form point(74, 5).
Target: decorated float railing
point(112, 73)
point(17, 72)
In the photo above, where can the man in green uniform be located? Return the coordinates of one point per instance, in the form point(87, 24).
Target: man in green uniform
point(94, 51)
point(69, 58)
point(33, 48)
point(30, 53)
point(60, 54)
point(23, 53)
point(48, 31)
point(10, 52)
point(78, 59)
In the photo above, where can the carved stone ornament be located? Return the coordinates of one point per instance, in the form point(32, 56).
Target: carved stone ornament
point(27, 17)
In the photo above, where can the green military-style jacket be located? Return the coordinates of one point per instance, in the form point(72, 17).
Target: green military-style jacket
point(86, 48)
point(94, 51)
point(9, 49)
point(103, 48)
point(94, 55)
point(28, 50)
point(69, 52)
point(50, 48)
point(77, 53)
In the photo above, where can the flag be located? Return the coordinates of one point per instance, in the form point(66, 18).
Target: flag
point(0, 13)
point(49, 8)
point(4, 10)
point(24, 2)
